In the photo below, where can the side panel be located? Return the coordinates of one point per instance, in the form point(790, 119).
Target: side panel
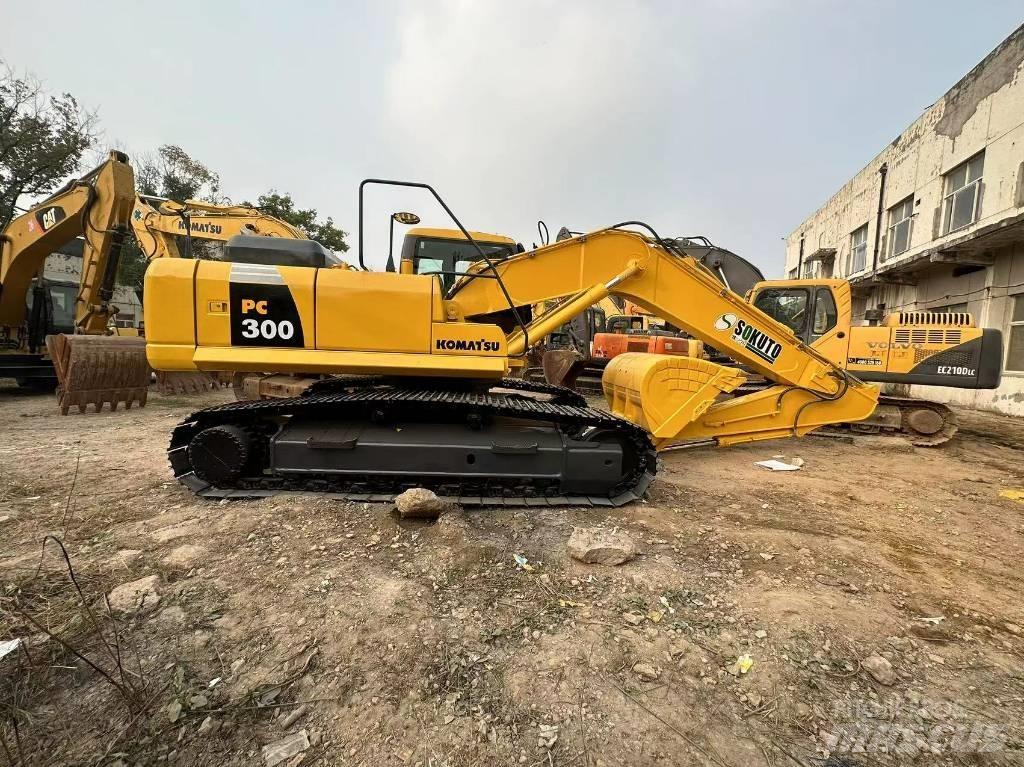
point(170, 335)
point(373, 311)
point(973, 364)
point(868, 351)
point(254, 305)
point(213, 318)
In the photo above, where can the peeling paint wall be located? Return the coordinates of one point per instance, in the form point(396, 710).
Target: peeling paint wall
point(982, 112)
point(986, 109)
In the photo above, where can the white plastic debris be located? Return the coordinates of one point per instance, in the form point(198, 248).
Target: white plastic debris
point(6, 648)
point(775, 465)
point(523, 562)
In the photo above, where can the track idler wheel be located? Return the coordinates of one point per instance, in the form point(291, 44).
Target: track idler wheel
point(929, 426)
point(220, 454)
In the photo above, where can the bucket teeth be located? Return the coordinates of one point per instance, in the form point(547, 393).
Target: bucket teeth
point(187, 383)
point(98, 370)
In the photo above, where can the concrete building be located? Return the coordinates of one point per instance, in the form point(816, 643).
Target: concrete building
point(936, 220)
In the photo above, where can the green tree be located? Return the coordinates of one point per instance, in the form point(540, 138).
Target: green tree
point(173, 173)
point(42, 138)
point(283, 207)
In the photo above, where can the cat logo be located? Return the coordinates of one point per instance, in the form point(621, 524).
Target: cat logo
point(50, 217)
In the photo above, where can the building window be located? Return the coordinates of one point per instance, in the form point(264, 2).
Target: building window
point(793, 274)
point(949, 309)
point(859, 250)
point(961, 205)
point(1015, 349)
point(900, 221)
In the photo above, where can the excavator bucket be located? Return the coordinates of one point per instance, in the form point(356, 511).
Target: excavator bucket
point(664, 394)
point(569, 368)
point(186, 383)
point(99, 369)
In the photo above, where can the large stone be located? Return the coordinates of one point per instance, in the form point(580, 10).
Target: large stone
point(601, 547)
point(136, 596)
point(880, 669)
point(287, 747)
point(420, 503)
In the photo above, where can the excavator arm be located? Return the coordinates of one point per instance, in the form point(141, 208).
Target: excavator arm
point(95, 207)
point(160, 225)
point(673, 397)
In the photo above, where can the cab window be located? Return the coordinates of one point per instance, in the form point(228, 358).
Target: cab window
point(825, 314)
point(429, 265)
point(786, 305)
point(440, 255)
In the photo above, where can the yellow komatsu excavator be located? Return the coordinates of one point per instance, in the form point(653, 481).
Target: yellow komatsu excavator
point(167, 228)
point(427, 400)
point(90, 364)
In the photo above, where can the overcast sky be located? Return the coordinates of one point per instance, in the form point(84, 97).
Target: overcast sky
point(734, 119)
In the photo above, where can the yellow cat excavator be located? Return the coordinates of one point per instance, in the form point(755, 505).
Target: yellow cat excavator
point(90, 364)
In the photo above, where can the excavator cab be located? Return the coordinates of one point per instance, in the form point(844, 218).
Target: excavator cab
point(447, 253)
point(806, 307)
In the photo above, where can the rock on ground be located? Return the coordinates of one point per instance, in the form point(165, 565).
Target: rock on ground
point(420, 503)
point(184, 556)
point(880, 669)
point(172, 616)
point(646, 671)
point(278, 751)
point(135, 596)
point(121, 560)
point(601, 547)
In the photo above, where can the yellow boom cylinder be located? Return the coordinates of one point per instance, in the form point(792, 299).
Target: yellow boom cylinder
point(564, 312)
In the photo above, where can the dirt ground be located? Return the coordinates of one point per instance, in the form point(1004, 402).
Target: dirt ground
point(876, 593)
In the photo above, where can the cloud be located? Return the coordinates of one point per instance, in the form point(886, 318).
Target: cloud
point(539, 108)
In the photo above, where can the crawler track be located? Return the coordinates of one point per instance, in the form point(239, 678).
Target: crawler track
point(372, 400)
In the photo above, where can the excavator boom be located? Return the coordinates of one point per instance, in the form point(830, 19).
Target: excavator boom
point(165, 228)
point(810, 390)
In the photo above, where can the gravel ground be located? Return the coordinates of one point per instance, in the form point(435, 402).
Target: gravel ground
point(863, 610)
